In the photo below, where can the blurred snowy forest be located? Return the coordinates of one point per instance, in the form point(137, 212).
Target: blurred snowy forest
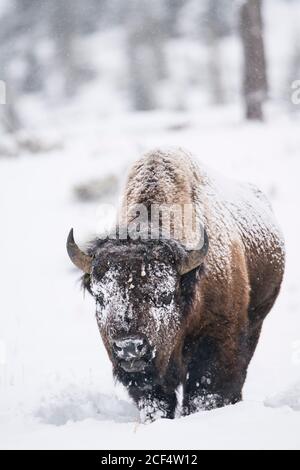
point(111, 56)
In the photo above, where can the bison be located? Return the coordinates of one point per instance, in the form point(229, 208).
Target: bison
point(171, 313)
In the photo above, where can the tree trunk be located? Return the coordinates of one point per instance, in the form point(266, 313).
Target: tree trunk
point(145, 50)
point(10, 118)
point(294, 72)
point(255, 76)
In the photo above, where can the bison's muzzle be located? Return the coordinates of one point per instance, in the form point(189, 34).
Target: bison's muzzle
point(132, 353)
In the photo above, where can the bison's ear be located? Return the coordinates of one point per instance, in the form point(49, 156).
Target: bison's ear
point(194, 258)
point(78, 257)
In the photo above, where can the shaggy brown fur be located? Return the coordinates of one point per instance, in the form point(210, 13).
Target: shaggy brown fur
point(206, 340)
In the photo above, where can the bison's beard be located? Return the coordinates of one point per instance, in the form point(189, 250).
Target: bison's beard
point(143, 379)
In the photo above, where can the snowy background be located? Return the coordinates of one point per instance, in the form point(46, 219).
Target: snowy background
point(75, 119)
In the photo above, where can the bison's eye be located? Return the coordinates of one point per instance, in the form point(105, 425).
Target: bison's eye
point(100, 299)
point(166, 299)
point(148, 298)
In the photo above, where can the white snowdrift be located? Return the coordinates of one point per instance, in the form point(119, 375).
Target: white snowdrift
point(289, 398)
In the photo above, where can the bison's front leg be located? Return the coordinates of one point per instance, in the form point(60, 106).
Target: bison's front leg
point(154, 403)
point(214, 379)
point(200, 396)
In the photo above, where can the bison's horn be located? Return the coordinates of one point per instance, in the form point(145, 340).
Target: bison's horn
point(78, 257)
point(194, 257)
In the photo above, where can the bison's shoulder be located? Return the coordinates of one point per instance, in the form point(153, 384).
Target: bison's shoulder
point(239, 218)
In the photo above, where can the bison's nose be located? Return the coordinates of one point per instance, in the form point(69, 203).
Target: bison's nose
point(131, 348)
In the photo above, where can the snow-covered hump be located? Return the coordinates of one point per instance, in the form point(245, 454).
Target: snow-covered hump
point(232, 212)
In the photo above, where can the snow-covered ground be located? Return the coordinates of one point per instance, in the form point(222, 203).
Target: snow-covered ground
point(56, 387)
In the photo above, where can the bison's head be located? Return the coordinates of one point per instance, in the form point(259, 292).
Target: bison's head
point(140, 296)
